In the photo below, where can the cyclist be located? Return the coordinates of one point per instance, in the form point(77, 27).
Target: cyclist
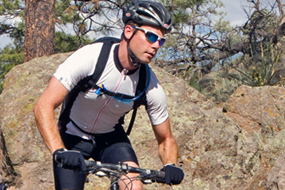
point(94, 131)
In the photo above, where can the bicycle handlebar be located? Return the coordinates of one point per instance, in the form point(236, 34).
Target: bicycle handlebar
point(145, 174)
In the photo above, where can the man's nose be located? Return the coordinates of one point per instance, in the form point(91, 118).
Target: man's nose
point(156, 45)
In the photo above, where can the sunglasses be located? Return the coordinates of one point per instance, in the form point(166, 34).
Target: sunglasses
point(151, 36)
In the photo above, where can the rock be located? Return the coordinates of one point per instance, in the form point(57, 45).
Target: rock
point(230, 147)
point(30, 159)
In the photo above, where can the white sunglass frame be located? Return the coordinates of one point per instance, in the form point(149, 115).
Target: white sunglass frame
point(159, 38)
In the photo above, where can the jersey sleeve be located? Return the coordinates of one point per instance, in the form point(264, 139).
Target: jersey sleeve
point(156, 102)
point(79, 65)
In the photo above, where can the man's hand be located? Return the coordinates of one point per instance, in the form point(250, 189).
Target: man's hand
point(70, 159)
point(173, 174)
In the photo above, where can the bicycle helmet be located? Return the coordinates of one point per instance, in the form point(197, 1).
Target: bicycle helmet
point(148, 13)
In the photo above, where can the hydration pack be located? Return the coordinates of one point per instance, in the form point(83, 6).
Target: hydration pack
point(90, 82)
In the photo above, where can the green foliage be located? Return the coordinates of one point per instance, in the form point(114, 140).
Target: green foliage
point(262, 20)
point(197, 25)
point(259, 69)
point(65, 13)
point(8, 6)
point(194, 82)
point(12, 24)
point(220, 89)
point(250, 54)
point(192, 49)
point(9, 57)
point(13, 54)
point(12, 13)
point(67, 42)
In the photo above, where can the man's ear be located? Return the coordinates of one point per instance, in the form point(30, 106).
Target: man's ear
point(128, 31)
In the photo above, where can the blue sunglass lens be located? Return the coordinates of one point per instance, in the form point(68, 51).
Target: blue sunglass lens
point(161, 42)
point(151, 37)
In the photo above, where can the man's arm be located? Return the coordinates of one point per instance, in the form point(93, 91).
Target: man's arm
point(167, 147)
point(168, 153)
point(51, 98)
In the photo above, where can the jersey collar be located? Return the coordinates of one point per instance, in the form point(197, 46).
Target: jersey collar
point(118, 64)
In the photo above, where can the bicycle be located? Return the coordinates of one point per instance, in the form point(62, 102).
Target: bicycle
point(115, 171)
point(3, 186)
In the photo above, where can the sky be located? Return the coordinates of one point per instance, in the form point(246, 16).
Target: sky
point(234, 9)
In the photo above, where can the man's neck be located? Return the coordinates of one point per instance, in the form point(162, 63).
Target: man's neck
point(124, 57)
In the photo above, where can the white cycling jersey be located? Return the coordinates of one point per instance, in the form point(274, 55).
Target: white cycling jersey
point(99, 114)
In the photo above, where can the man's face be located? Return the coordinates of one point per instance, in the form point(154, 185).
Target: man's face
point(143, 48)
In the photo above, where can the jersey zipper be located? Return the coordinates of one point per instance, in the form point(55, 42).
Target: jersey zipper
point(108, 100)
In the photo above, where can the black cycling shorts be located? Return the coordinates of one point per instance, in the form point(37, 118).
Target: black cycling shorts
point(111, 147)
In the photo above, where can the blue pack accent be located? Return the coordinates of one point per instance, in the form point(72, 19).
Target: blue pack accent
point(100, 89)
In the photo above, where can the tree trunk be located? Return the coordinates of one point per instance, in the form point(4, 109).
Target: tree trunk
point(40, 28)
point(280, 7)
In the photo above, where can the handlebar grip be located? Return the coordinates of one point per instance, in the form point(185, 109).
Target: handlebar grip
point(160, 174)
point(88, 163)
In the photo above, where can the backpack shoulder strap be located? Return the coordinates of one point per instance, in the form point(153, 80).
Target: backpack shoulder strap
point(101, 62)
point(142, 85)
point(89, 81)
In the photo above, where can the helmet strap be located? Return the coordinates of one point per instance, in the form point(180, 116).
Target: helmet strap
point(132, 56)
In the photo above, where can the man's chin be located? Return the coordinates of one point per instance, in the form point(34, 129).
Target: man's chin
point(145, 58)
point(146, 61)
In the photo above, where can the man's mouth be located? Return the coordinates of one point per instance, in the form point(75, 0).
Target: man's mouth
point(151, 54)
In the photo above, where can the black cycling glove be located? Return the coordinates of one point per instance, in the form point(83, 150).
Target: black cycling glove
point(173, 174)
point(70, 159)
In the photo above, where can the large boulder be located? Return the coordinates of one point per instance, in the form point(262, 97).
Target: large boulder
point(234, 146)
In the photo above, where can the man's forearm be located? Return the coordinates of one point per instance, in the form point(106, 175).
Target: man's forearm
point(48, 128)
point(51, 138)
point(168, 151)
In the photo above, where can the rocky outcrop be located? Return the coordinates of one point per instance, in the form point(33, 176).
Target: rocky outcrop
point(29, 157)
point(234, 146)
